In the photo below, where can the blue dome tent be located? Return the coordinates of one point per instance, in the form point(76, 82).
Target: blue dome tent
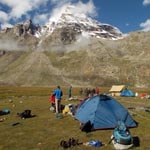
point(103, 112)
point(127, 93)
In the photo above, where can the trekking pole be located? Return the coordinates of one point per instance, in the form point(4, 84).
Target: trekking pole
point(111, 140)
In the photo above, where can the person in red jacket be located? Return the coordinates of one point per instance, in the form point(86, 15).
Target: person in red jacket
point(97, 90)
point(52, 101)
point(52, 98)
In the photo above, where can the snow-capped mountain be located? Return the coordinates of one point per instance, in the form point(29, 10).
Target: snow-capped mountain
point(27, 58)
point(80, 24)
point(69, 28)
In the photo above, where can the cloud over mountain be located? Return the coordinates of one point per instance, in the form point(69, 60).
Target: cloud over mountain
point(145, 25)
point(73, 49)
point(146, 2)
point(40, 11)
point(12, 12)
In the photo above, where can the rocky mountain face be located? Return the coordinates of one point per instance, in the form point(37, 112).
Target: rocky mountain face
point(69, 28)
point(80, 24)
point(73, 50)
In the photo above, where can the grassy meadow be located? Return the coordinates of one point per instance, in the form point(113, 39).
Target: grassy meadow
point(45, 131)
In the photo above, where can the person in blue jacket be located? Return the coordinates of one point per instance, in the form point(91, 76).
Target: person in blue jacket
point(58, 95)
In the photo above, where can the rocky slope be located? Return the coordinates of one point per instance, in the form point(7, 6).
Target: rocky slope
point(73, 50)
point(102, 62)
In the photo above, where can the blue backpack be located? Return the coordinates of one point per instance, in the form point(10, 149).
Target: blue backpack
point(121, 134)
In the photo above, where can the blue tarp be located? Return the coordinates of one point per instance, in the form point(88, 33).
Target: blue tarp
point(103, 112)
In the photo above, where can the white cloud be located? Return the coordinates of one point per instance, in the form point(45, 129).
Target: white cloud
point(86, 8)
point(41, 18)
point(3, 16)
point(56, 13)
point(4, 20)
point(146, 2)
point(145, 25)
point(6, 25)
point(19, 8)
point(80, 8)
point(39, 11)
point(58, 2)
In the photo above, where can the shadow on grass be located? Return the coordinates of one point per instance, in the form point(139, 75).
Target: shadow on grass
point(136, 141)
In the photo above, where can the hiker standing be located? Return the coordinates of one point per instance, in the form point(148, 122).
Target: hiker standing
point(81, 92)
point(69, 92)
point(93, 92)
point(86, 92)
point(58, 94)
point(97, 90)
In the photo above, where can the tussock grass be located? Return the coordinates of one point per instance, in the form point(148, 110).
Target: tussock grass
point(45, 131)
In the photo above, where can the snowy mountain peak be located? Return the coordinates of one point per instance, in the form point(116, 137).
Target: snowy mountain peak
point(69, 9)
point(79, 22)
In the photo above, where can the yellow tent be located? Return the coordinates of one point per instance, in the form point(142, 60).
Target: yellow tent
point(117, 89)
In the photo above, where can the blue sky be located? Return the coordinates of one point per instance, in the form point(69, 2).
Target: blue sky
point(127, 15)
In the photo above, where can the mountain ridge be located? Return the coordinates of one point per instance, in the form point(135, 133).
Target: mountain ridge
point(69, 56)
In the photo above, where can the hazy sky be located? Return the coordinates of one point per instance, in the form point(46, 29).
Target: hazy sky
point(127, 15)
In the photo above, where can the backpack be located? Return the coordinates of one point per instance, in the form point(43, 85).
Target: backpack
point(25, 114)
point(87, 127)
point(122, 134)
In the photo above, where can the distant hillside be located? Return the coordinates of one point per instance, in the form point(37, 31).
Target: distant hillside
point(76, 50)
point(90, 61)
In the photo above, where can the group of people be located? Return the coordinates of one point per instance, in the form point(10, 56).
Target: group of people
point(56, 96)
point(55, 99)
point(89, 92)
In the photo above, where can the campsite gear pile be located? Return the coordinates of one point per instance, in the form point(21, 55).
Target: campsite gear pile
point(94, 143)
point(69, 109)
point(4, 112)
point(69, 143)
point(25, 114)
point(75, 142)
point(66, 110)
point(145, 95)
point(122, 138)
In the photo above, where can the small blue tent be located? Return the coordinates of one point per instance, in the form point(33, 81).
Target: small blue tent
point(103, 112)
point(127, 93)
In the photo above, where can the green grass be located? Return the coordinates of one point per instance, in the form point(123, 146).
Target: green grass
point(45, 131)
